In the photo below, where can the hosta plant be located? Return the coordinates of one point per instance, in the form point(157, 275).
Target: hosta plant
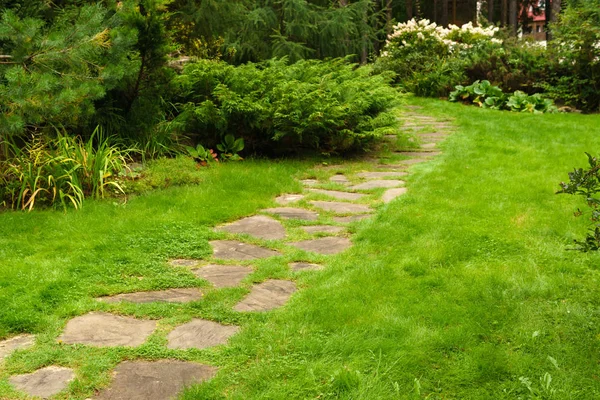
point(230, 147)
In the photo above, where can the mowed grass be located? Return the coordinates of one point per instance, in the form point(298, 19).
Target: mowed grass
point(461, 289)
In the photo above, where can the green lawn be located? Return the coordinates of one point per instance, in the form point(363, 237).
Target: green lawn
point(461, 289)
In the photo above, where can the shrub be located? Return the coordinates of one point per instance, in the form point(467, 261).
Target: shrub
point(330, 106)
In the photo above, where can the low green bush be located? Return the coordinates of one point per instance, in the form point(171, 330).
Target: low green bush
point(326, 106)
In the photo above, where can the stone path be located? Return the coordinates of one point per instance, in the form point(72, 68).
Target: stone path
point(159, 380)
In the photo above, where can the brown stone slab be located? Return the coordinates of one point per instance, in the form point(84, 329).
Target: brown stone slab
point(305, 266)
point(234, 250)
point(293, 213)
point(44, 382)
point(259, 226)
point(309, 182)
point(382, 174)
point(266, 296)
point(378, 183)
point(107, 330)
point(428, 146)
point(391, 194)
point(182, 262)
point(338, 195)
point(200, 334)
point(222, 276)
point(154, 380)
point(339, 178)
point(20, 342)
point(285, 199)
point(326, 245)
point(322, 229)
point(180, 295)
point(341, 207)
point(352, 218)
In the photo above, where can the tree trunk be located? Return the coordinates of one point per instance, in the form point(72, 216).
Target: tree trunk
point(409, 9)
point(454, 12)
point(435, 11)
point(445, 12)
point(512, 17)
point(490, 4)
point(389, 15)
point(504, 12)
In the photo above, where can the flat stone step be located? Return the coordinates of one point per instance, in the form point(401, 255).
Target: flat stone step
point(259, 226)
point(391, 194)
point(200, 334)
point(181, 295)
point(339, 178)
point(326, 245)
point(293, 213)
point(285, 199)
point(305, 266)
point(380, 174)
point(392, 167)
point(338, 195)
point(21, 342)
point(154, 380)
point(266, 296)
point(410, 107)
point(322, 229)
point(44, 382)
point(351, 218)
point(183, 262)
point(341, 207)
point(378, 183)
point(428, 146)
point(234, 250)
point(309, 182)
point(422, 154)
point(107, 330)
point(223, 276)
point(413, 161)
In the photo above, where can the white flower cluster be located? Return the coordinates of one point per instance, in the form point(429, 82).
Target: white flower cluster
point(453, 37)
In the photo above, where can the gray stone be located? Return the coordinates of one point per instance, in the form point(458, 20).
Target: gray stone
point(181, 262)
point(293, 213)
point(288, 198)
point(222, 276)
point(391, 194)
point(180, 295)
point(392, 167)
point(338, 195)
point(413, 161)
point(342, 208)
point(326, 245)
point(428, 146)
point(381, 174)
point(154, 380)
point(305, 266)
point(20, 342)
point(352, 218)
point(377, 183)
point(259, 226)
point(200, 334)
point(339, 178)
point(44, 382)
point(410, 107)
point(234, 250)
point(422, 154)
point(266, 296)
point(309, 182)
point(322, 229)
point(107, 330)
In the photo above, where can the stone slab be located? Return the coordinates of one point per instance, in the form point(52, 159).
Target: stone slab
point(266, 296)
point(378, 183)
point(305, 266)
point(44, 382)
point(20, 342)
point(428, 146)
point(200, 334)
point(423, 154)
point(154, 380)
point(309, 182)
point(180, 295)
point(326, 245)
point(182, 262)
point(293, 213)
point(382, 174)
point(222, 276)
point(352, 218)
point(413, 161)
point(339, 178)
point(322, 229)
point(391, 194)
point(107, 330)
point(234, 250)
point(259, 226)
point(288, 198)
point(341, 207)
point(338, 195)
